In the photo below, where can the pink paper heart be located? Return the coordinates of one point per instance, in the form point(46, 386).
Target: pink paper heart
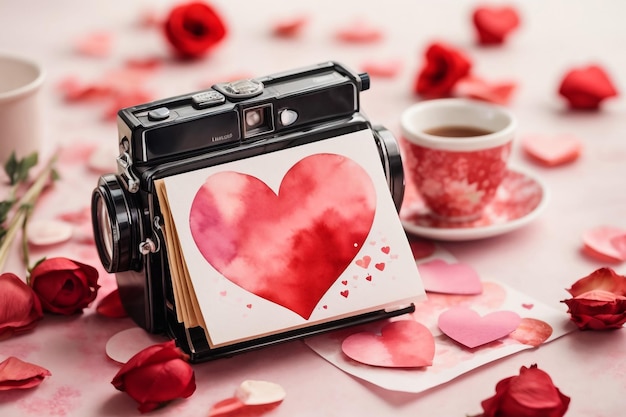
point(401, 344)
point(470, 329)
point(456, 278)
point(552, 151)
point(606, 242)
point(288, 248)
point(477, 88)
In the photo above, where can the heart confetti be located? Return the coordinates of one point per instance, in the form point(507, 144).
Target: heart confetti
point(467, 327)
point(493, 24)
point(606, 243)
point(454, 278)
point(585, 88)
point(290, 27)
point(359, 32)
point(552, 151)
point(480, 89)
point(401, 344)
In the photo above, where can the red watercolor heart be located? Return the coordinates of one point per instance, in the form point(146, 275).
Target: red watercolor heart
point(345, 293)
point(364, 262)
point(493, 24)
point(288, 248)
point(401, 344)
point(552, 151)
point(380, 266)
point(455, 278)
point(470, 329)
point(385, 249)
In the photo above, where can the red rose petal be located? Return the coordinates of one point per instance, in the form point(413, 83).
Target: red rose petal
point(479, 89)
point(111, 306)
point(17, 374)
point(585, 88)
point(493, 24)
point(597, 243)
point(360, 32)
point(289, 28)
point(552, 151)
point(604, 279)
point(97, 44)
point(384, 69)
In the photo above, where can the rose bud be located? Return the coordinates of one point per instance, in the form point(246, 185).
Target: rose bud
point(64, 286)
point(530, 394)
point(17, 374)
point(193, 29)
point(586, 88)
point(19, 306)
point(444, 66)
point(599, 301)
point(493, 24)
point(156, 375)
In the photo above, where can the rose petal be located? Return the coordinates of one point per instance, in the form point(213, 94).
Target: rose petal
point(17, 374)
point(48, 232)
point(479, 89)
point(111, 306)
point(383, 69)
point(585, 88)
point(96, 44)
point(259, 392)
point(598, 243)
point(290, 27)
point(444, 66)
point(605, 279)
point(359, 32)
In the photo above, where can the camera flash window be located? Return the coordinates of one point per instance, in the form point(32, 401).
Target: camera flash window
point(288, 117)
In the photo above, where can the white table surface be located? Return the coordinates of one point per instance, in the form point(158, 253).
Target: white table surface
point(542, 259)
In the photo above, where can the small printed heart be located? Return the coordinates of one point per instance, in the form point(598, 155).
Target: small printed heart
point(345, 293)
point(552, 151)
point(368, 278)
point(223, 293)
point(364, 262)
point(401, 344)
point(493, 24)
point(380, 266)
point(468, 328)
point(344, 282)
point(325, 307)
point(385, 249)
point(249, 305)
point(455, 278)
point(605, 243)
point(528, 306)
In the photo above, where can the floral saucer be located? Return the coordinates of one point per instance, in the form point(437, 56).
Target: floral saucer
point(520, 198)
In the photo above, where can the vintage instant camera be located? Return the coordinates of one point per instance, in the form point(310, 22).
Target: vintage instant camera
point(227, 122)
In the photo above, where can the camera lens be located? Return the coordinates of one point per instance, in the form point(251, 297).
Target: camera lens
point(254, 118)
point(115, 223)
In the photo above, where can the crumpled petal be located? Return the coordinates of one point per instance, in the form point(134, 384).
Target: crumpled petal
point(17, 374)
point(586, 88)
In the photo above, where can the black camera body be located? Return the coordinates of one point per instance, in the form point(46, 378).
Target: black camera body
point(227, 122)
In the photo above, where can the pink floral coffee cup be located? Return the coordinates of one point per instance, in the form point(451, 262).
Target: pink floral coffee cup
point(456, 153)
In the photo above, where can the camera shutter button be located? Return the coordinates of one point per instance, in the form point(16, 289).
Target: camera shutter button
point(288, 117)
point(160, 113)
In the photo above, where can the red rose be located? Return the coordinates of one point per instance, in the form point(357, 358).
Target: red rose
point(64, 286)
point(443, 68)
point(19, 306)
point(586, 88)
point(156, 375)
point(193, 29)
point(493, 24)
point(17, 374)
point(530, 394)
point(599, 301)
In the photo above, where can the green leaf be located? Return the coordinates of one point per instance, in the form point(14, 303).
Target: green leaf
point(10, 167)
point(17, 169)
point(5, 207)
point(26, 164)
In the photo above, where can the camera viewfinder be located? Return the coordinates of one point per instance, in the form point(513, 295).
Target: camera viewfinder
point(258, 120)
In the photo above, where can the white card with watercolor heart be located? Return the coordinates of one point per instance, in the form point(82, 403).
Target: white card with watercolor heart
point(292, 238)
point(368, 353)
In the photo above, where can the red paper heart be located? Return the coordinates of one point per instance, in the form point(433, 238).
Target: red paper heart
point(288, 248)
point(585, 88)
point(401, 344)
point(493, 24)
point(470, 329)
point(455, 278)
point(552, 151)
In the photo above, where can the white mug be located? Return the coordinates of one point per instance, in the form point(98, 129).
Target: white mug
point(20, 120)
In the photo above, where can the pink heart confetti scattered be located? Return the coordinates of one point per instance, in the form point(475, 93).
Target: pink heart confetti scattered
point(552, 151)
point(467, 327)
point(454, 278)
point(480, 89)
point(401, 344)
point(364, 262)
point(606, 243)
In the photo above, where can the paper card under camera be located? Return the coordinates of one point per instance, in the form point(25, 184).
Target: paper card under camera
point(286, 240)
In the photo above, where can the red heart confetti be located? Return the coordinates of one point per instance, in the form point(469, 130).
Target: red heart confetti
point(290, 27)
point(345, 293)
point(359, 32)
point(384, 69)
point(401, 344)
point(605, 243)
point(385, 249)
point(552, 150)
point(493, 24)
point(470, 329)
point(585, 88)
point(364, 262)
point(380, 266)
